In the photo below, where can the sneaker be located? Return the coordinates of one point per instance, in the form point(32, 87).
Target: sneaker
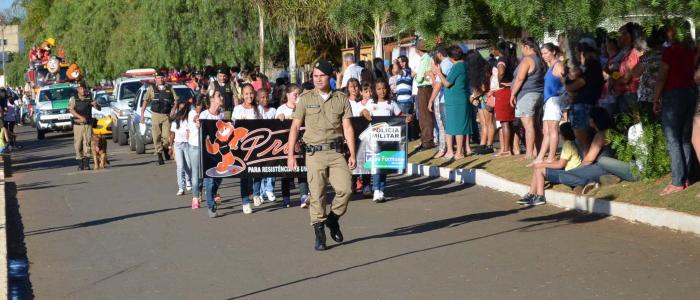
point(590, 188)
point(270, 196)
point(304, 201)
point(195, 203)
point(247, 209)
point(180, 192)
point(537, 200)
point(366, 192)
point(285, 202)
point(608, 179)
point(188, 187)
point(212, 214)
point(257, 201)
point(377, 196)
point(526, 199)
point(381, 197)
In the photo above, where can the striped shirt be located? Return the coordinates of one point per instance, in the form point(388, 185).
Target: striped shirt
point(404, 86)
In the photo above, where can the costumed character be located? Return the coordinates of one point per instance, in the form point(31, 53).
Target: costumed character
point(53, 66)
point(74, 73)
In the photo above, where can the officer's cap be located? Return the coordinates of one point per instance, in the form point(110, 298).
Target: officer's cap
point(325, 67)
point(82, 84)
point(222, 70)
point(162, 72)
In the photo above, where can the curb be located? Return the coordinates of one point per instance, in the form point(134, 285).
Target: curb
point(659, 217)
point(3, 239)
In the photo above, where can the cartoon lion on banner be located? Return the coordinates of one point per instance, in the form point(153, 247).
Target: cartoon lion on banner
point(227, 140)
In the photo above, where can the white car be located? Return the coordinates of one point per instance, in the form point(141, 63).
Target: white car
point(52, 108)
point(126, 89)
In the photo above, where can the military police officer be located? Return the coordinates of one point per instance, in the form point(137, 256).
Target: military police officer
point(326, 116)
point(227, 88)
point(161, 98)
point(80, 107)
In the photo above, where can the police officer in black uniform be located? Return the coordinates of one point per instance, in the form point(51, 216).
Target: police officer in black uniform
point(162, 99)
point(80, 107)
point(227, 88)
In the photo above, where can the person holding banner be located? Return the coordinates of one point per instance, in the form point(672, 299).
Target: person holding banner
point(248, 110)
point(287, 105)
point(267, 184)
point(384, 107)
point(326, 115)
point(211, 185)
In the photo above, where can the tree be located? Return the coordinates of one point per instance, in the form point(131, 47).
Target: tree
point(354, 18)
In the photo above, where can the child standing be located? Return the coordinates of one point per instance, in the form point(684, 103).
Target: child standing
point(178, 147)
point(211, 185)
point(287, 105)
point(360, 109)
point(267, 184)
point(384, 107)
point(248, 110)
point(193, 150)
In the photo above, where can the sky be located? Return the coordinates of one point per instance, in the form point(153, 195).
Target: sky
point(5, 3)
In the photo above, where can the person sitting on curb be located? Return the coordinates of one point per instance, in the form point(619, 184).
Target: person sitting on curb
point(568, 159)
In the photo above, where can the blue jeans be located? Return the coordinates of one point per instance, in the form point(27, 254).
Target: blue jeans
point(677, 110)
point(618, 168)
point(406, 107)
point(211, 187)
point(287, 183)
point(582, 175)
point(579, 115)
point(267, 184)
point(249, 186)
point(182, 163)
point(195, 168)
point(378, 182)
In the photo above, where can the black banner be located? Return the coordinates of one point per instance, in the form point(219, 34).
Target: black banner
point(258, 148)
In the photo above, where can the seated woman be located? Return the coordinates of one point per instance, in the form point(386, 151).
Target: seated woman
point(550, 171)
point(585, 178)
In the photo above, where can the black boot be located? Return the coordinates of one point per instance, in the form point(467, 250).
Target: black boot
point(86, 163)
point(166, 153)
point(160, 159)
point(320, 231)
point(334, 227)
point(81, 164)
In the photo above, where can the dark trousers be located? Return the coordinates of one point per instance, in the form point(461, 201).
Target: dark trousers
point(426, 119)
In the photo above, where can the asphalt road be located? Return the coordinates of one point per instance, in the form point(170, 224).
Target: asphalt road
point(121, 233)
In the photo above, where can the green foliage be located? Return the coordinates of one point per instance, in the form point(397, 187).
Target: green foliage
point(652, 155)
point(15, 70)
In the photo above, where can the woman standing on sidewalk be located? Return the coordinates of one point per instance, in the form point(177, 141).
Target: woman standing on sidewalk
point(503, 111)
point(553, 87)
point(526, 94)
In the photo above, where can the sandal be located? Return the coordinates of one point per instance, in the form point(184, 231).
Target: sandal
point(502, 154)
point(534, 162)
point(448, 157)
point(439, 154)
point(670, 189)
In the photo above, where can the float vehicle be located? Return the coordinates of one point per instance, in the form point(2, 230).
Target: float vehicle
point(51, 110)
point(126, 89)
point(140, 136)
point(103, 116)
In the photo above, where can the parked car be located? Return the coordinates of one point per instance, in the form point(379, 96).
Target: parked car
point(138, 138)
point(51, 113)
point(104, 115)
point(126, 89)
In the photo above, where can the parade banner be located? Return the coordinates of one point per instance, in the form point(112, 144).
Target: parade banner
point(248, 148)
point(381, 145)
point(258, 148)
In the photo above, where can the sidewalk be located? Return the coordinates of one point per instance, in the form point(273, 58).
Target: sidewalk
point(633, 201)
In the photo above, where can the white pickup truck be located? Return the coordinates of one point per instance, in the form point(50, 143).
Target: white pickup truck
point(126, 89)
point(52, 109)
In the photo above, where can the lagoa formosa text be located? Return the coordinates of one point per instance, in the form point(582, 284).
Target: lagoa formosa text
point(258, 148)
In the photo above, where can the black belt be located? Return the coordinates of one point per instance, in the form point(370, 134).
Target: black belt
point(324, 147)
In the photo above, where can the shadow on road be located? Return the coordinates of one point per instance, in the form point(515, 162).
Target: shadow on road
point(19, 283)
point(40, 185)
point(101, 221)
point(569, 216)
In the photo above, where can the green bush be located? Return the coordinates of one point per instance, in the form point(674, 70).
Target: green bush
point(651, 153)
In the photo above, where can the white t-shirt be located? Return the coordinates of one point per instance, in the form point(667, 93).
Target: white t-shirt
point(181, 133)
point(358, 107)
point(353, 71)
point(193, 139)
point(267, 115)
point(206, 115)
point(284, 110)
point(242, 113)
point(383, 109)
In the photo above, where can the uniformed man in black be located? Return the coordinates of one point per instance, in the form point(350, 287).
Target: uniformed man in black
point(227, 88)
point(161, 98)
point(80, 106)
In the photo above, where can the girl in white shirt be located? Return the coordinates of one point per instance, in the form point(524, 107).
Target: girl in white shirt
point(367, 92)
point(193, 150)
point(287, 105)
point(179, 147)
point(211, 185)
point(267, 184)
point(248, 110)
point(384, 107)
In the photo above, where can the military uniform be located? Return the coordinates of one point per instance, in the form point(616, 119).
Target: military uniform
point(82, 131)
point(228, 94)
point(162, 102)
point(323, 135)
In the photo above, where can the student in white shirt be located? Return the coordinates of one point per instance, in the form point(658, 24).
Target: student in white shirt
point(248, 110)
point(267, 184)
point(193, 150)
point(211, 185)
point(179, 147)
point(367, 92)
point(287, 105)
point(384, 107)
